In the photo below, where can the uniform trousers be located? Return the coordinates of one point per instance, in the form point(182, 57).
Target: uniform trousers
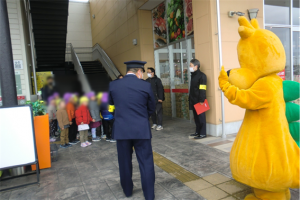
point(200, 121)
point(144, 154)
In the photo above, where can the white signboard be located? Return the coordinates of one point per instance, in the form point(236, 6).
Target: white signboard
point(18, 64)
point(16, 142)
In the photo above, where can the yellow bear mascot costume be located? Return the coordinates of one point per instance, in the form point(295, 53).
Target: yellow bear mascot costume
point(264, 155)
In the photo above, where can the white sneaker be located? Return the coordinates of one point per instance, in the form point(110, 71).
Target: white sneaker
point(97, 139)
point(154, 126)
point(113, 141)
point(159, 128)
point(103, 136)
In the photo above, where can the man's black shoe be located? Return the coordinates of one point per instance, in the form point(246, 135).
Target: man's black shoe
point(194, 135)
point(200, 137)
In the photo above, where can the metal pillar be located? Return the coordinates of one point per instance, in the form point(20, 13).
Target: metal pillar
point(291, 41)
point(220, 63)
point(7, 72)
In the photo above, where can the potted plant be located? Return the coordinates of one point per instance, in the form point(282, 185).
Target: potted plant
point(42, 135)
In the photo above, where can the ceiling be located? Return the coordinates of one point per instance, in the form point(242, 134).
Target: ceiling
point(150, 4)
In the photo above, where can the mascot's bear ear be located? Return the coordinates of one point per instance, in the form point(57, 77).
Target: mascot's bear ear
point(254, 23)
point(246, 29)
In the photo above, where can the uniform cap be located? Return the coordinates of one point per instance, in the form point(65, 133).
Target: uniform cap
point(135, 64)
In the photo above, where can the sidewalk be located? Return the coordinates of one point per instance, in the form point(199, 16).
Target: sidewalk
point(184, 169)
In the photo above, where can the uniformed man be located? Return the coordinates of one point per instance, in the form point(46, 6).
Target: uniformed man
point(197, 95)
point(134, 103)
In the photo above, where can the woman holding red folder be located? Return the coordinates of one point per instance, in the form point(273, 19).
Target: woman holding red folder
point(197, 95)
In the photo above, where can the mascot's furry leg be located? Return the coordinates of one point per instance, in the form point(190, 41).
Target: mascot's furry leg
point(267, 195)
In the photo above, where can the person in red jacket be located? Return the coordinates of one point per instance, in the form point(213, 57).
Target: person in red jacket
point(82, 115)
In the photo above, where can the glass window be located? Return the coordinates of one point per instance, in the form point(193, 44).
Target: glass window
point(277, 12)
point(284, 36)
point(296, 12)
point(296, 55)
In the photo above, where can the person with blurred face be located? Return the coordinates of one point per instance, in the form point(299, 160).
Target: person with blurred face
point(48, 89)
point(107, 112)
point(52, 116)
point(71, 115)
point(63, 121)
point(158, 91)
point(82, 115)
point(197, 95)
point(95, 114)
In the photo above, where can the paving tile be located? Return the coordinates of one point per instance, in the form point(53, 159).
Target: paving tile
point(295, 195)
point(161, 193)
point(199, 184)
point(229, 198)
point(220, 143)
point(68, 193)
point(243, 194)
point(5, 195)
point(216, 178)
point(213, 193)
point(232, 187)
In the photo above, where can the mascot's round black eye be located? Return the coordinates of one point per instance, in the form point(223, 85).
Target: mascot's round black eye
point(228, 72)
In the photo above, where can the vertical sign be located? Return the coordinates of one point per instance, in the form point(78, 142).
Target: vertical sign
point(175, 20)
point(189, 17)
point(159, 26)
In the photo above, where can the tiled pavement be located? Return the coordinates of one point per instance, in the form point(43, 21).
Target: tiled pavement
point(218, 142)
point(92, 172)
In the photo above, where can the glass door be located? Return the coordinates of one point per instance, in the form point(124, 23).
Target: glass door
point(162, 67)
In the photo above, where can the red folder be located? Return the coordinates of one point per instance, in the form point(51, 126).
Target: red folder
point(201, 108)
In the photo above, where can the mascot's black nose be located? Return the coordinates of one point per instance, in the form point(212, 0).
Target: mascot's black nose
point(228, 72)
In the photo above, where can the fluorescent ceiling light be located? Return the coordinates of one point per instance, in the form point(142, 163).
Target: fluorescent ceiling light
point(82, 1)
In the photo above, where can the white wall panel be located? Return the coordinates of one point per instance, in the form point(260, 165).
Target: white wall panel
point(79, 25)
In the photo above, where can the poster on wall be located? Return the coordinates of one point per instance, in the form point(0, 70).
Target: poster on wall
point(189, 17)
point(175, 20)
point(159, 26)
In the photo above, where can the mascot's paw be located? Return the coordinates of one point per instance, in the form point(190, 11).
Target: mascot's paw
point(251, 197)
point(223, 80)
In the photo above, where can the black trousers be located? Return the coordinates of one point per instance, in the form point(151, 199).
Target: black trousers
point(107, 127)
point(53, 127)
point(200, 121)
point(143, 151)
point(73, 131)
point(157, 116)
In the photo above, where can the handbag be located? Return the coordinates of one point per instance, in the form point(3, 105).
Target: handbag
point(83, 127)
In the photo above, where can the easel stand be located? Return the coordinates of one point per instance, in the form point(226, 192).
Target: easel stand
point(37, 172)
point(24, 151)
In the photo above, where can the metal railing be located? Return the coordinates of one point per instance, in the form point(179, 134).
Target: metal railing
point(99, 54)
point(72, 56)
point(92, 54)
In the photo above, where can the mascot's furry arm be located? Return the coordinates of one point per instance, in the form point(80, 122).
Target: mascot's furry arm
point(291, 92)
point(256, 97)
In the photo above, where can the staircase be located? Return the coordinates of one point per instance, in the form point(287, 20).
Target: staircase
point(49, 21)
point(96, 76)
point(92, 67)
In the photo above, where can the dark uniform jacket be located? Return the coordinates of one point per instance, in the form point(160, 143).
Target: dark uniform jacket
point(134, 104)
point(157, 87)
point(197, 88)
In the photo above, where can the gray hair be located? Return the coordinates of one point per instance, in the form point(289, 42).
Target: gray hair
point(134, 70)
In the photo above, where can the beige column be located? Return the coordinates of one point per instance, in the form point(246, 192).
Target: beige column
point(206, 48)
